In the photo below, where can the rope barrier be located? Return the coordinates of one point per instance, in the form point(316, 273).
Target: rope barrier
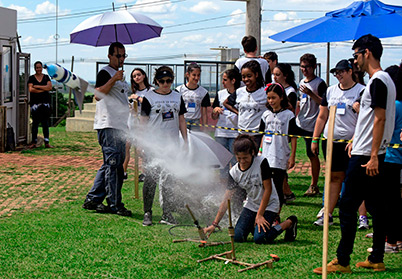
point(396, 145)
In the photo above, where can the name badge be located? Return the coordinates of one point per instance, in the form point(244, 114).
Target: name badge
point(341, 108)
point(167, 116)
point(268, 137)
point(191, 107)
point(304, 96)
point(226, 111)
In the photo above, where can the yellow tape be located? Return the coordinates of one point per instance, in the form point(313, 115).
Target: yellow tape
point(283, 135)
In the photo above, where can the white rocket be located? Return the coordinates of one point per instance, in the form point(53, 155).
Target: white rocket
point(77, 84)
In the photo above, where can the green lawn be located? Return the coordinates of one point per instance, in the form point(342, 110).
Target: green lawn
point(67, 241)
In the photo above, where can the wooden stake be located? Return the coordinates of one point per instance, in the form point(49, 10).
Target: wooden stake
point(136, 171)
point(328, 165)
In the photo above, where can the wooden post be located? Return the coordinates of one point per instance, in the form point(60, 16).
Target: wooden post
point(3, 128)
point(328, 165)
point(136, 171)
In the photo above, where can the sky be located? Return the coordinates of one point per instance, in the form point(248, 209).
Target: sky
point(191, 29)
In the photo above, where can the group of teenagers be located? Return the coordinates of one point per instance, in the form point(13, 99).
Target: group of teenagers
point(261, 95)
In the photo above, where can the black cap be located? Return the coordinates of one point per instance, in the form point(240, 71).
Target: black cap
point(341, 65)
point(162, 74)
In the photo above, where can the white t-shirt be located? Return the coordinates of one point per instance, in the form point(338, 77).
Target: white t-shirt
point(346, 118)
point(251, 181)
point(251, 106)
point(364, 128)
point(276, 148)
point(193, 99)
point(263, 64)
point(163, 111)
point(112, 111)
point(227, 119)
point(308, 107)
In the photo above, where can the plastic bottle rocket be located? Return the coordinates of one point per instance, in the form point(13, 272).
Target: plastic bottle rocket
point(77, 84)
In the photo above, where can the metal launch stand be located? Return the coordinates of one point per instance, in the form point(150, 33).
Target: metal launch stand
point(230, 256)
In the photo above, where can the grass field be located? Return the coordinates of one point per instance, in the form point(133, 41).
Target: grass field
point(65, 241)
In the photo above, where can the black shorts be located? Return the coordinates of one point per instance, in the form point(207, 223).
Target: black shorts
point(340, 158)
point(301, 132)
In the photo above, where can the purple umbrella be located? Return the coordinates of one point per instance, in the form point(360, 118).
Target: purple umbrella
point(118, 26)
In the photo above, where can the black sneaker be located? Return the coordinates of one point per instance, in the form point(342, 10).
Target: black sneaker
point(90, 204)
point(147, 219)
point(291, 233)
point(290, 198)
point(141, 177)
point(168, 219)
point(124, 212)
point(101, 208)
point(125, 176)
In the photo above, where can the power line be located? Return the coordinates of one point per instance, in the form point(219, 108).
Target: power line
point(91, 12)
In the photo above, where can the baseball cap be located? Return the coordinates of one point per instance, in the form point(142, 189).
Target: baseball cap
point(341, 65)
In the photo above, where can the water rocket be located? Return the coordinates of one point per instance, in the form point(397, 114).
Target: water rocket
point(71, 80)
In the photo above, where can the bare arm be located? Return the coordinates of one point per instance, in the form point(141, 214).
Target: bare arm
point(319, 127)
point(46, 87)
point(183, 127)
point(221, 211)
point(378, 132)
point(259, 219)
point(215, 113)
point(204, 118)
point(292, 159)
point(229, 107)
point(312, 95)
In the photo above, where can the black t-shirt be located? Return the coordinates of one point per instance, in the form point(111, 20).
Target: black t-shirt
point(102, 78)
point(39, 98)
point(292, 97)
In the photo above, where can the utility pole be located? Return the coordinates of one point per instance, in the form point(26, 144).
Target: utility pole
point(253, 20)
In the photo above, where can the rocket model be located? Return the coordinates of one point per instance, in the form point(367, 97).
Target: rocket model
point(77, 84)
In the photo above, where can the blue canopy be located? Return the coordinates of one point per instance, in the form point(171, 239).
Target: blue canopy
point(358, 19)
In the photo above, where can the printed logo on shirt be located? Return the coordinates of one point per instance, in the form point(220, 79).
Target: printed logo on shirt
point(167, 116)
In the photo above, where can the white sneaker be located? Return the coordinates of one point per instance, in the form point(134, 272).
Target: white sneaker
point(390, 249)
point(320, 221)
point(363, 223)
point(320, 213)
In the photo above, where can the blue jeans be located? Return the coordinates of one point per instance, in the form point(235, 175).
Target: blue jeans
point(109, 179)
point(245, 226)
point(375, 192)
point(228, 144)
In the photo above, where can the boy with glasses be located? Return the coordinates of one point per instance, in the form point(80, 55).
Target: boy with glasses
point(311, 88)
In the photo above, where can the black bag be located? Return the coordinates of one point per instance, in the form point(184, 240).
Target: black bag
point(10, 145)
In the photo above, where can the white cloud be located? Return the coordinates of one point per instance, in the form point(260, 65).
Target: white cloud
point(43, 8)
point(285, 16)
point(205, 7)
point(22, 12)
point(237, 16)
point(148, 6)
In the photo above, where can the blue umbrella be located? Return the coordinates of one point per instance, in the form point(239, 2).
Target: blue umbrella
point(350, 23)
point(358, 19)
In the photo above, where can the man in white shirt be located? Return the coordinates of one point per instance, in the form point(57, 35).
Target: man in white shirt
point(111, 124)
point(365, 174)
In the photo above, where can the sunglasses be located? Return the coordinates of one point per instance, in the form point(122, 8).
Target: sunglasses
point(356, 54)
point(118, 56)
point(337, 73)
point(163, 81)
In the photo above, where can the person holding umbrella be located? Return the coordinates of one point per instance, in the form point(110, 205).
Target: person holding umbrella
point(111, 124)
point(365, 174)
